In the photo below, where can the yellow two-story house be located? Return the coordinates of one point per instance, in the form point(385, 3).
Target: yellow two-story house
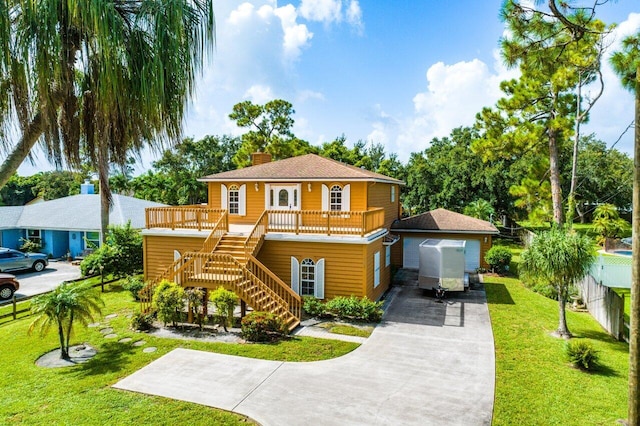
point(276, 231)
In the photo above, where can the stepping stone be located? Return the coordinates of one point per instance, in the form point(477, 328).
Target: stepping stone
point(94, 325)
point(149, 350)
point(111, 336)
point(107, 330)
point(139, 343)
point(110, 316)
point(125, 340)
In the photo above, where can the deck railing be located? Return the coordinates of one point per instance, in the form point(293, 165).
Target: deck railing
point(256, 237)
point(183, 217)
point(325, 222)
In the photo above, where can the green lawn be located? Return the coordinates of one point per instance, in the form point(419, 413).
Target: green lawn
point(534, 382)
point(82, 394)
point(347, 329)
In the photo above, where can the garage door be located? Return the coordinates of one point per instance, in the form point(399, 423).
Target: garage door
point(472, 255)
point(411, 253)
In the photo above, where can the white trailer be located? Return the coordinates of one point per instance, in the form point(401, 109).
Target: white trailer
point(442, 263)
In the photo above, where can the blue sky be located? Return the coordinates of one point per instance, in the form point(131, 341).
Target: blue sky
point(393, 72)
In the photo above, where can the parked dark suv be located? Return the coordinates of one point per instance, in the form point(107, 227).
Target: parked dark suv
point(12, 260)
point(8, 286)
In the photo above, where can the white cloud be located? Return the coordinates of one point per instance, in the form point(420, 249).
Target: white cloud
point(332, 11)
point(259, 94)
point(613, 112)
point(305, 95)
point(453, 96)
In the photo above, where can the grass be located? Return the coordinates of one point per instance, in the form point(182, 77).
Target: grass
point(347, 329)
point(82, 394)
point(534, 382)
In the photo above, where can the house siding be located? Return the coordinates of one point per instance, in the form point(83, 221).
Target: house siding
point(379, 195)
point(345, 264)
point(397, 253)
point(158, 252)
point(374, 293)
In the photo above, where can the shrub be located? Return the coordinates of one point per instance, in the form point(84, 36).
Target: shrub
point(168, 300)
point(142, 322)
point(120, 255)
point(313, 306)
point(30, 246)
point(195, 298)
point(498, 258)
point(353, 308)
point(134, 285)
point(225, 302)
point(582, 354)
point(262, 327)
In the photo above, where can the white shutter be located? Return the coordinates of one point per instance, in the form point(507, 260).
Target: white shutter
point(267, 196)
point(346, 198)
point(387, 256)
point(393, 193)
point(319, 284)
point(242, 200)
point(376, 269)
point(325, 197)
point(176, 256)
point(224, 198)
point(295, 275)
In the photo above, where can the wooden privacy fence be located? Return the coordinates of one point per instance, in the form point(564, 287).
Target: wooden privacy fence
point(604, 304)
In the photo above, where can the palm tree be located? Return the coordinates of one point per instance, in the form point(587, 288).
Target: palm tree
point(62, 307)
point(626, 64)
point(559, 258)
point(480, 209)
point(98, 79)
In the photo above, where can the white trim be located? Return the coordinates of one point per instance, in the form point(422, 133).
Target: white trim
point(165, 232)
point(176, 256)
point(325, 198)
point(295, 275)
point(376, 269)
point(272, 236)
point(429, 231)
point(224, 198)
point(242, 200)
point(318, 287)
point(267, 196)
point(346, 198)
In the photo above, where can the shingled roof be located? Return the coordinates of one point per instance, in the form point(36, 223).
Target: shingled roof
point(443, 220)
point(310, 167)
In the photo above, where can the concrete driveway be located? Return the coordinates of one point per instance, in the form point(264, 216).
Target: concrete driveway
point(425, 364)
point(40, 282)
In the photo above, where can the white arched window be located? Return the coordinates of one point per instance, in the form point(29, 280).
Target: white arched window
point(335, 198)
point(234, 199)
point(307, 277)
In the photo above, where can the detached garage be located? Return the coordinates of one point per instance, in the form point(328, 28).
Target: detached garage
point(442, 223)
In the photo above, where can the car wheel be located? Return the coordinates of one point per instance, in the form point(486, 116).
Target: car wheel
point(38, 265)
point(6, 292)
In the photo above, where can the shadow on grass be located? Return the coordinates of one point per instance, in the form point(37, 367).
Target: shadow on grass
point(603, 370)
point(498, 294)
point(601, 336)
point(111, 358)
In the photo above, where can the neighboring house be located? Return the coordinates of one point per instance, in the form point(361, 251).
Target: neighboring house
point(69, 224)
point(279, 230)
point(442, 223)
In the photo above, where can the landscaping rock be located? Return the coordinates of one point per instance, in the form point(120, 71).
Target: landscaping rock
point(110, 336)
point(107, 330)
point(94, 325)
point(110, 316)
point(149, 350)
point(78, 354)
point(125, 340)
point(139, 343)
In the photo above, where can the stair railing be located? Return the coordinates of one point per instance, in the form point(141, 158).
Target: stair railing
point(221, 228)
point(256, 237)
point(274, 282)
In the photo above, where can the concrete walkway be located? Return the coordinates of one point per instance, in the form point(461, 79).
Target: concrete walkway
point(425, 364)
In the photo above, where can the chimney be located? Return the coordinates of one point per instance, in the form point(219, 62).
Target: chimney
point(87, 188)
point(258, 158)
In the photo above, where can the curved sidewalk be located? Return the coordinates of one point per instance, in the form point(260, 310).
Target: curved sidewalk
point(425, 364)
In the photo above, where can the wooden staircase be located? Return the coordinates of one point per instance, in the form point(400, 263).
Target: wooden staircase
point(228, 260)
